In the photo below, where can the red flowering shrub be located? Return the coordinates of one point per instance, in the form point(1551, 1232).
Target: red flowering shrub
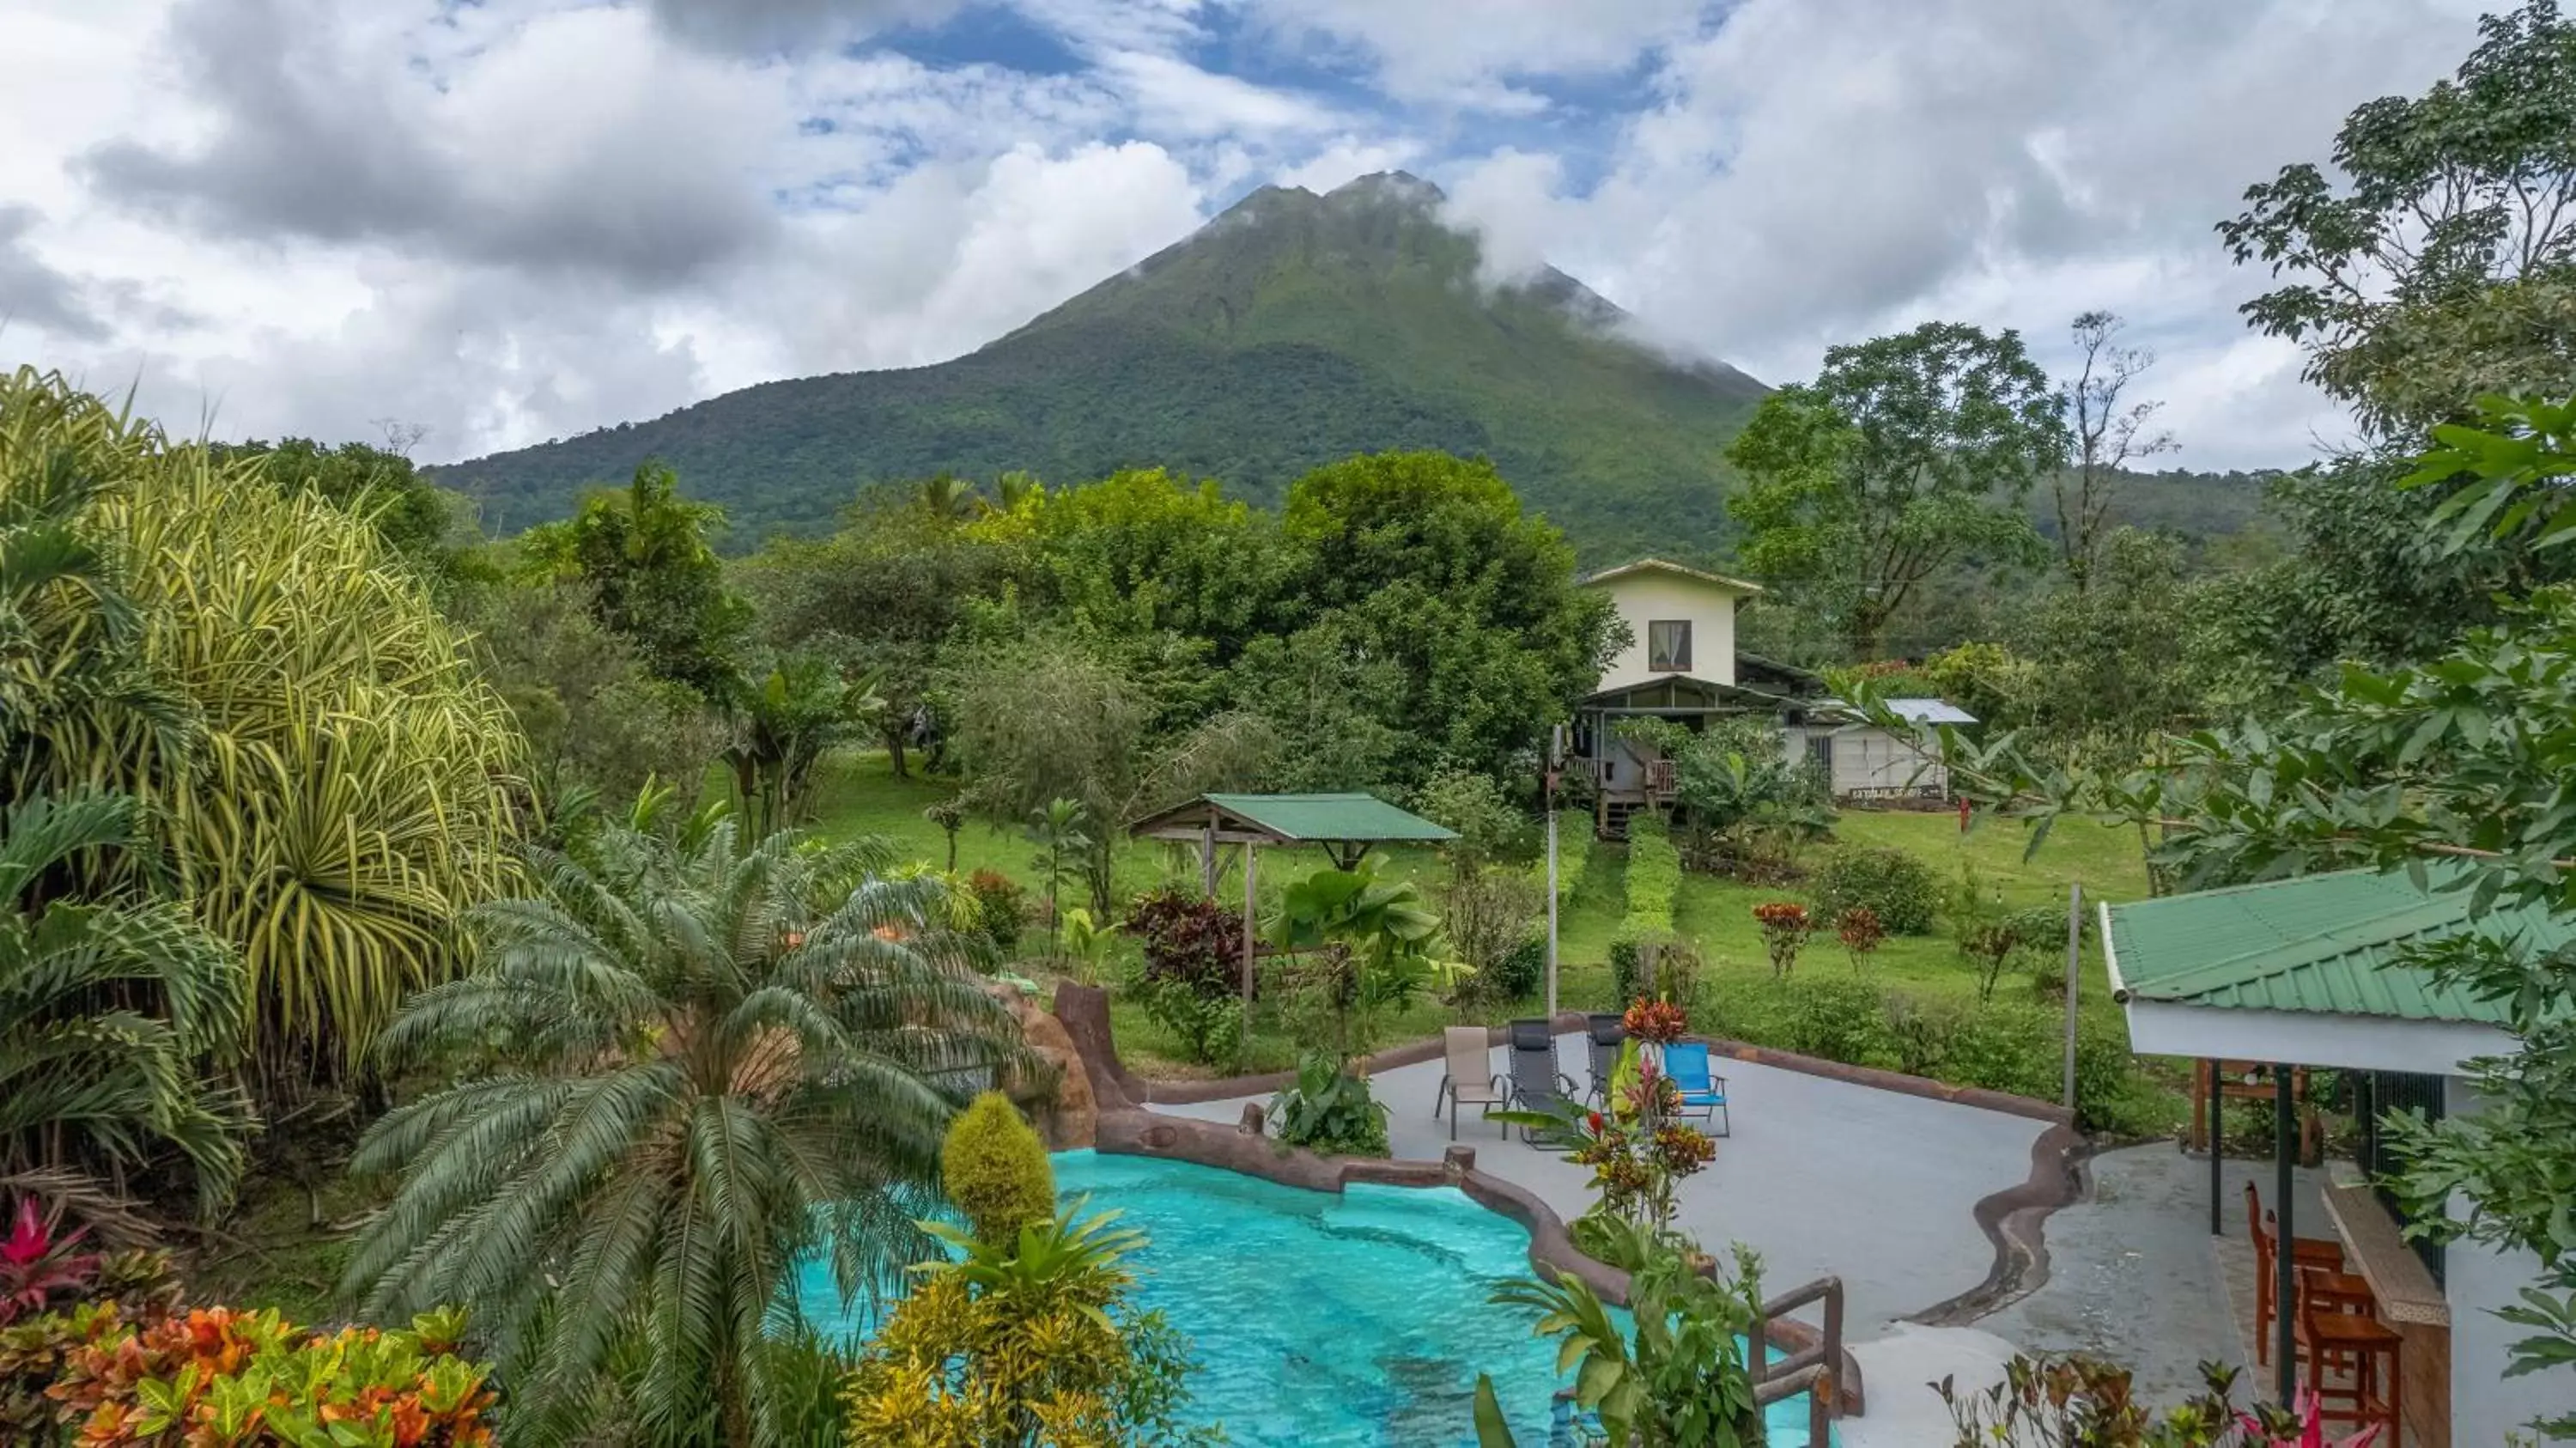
point(1655, 1022)
point(1860, 931)
point(1785, 925)
point(1189, 939)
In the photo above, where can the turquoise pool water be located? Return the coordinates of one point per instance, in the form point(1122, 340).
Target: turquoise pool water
point(1323, 1320)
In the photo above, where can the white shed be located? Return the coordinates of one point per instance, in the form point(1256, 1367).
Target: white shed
point(1864, 761)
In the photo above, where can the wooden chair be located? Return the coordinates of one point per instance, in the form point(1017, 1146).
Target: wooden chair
point(2354, 1364)
point(2262, 1228)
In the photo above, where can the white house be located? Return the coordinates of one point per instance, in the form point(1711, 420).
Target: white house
point(2313, 972)
point(1681, 664)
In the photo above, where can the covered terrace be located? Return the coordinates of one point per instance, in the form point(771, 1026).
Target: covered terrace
point(2319, 972)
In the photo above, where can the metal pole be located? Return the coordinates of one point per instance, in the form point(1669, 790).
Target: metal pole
point(2217, 1156)
point(2285, 1239)
point(1247, 937)
point(1551, 909)
point(2074, 970)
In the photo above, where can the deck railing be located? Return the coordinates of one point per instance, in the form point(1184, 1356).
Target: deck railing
point(1810, 1371)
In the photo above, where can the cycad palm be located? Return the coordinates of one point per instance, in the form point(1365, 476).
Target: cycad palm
point(107, 1010)
point(685, 1075)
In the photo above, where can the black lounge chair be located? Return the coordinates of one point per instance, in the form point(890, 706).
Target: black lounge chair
point(1536, 1083)
point(1608, 1031)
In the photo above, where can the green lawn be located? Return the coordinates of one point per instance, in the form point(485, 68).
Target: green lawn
point(860, 795)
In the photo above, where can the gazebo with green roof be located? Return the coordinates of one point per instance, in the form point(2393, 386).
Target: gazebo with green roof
point(1345, 825)
point(2313, 971)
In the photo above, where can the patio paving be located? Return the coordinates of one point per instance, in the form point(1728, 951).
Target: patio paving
point(2135, 1277)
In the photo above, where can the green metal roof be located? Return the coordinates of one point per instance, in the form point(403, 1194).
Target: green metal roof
point(1329, 817)
point(2327, 943)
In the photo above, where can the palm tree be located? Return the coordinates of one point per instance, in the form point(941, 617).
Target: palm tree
point(1056, 829)
point(946, 498)
point(683, 1069)
point(107, 1010)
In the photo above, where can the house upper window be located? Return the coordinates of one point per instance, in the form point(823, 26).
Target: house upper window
point(1668, 645)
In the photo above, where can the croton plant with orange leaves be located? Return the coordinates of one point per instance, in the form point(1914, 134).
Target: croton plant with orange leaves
point(217, 1377)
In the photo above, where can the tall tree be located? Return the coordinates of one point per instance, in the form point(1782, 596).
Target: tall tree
point(2108, 433)
point(2443, 265)
point(1906, 454)
point(646, 553)
point(1044, 717)
point(683, 1071)
point(883, 594)
point(1426, 562)
point(2455, 770)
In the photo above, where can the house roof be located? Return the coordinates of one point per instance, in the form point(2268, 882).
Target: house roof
point(2318, 944)
point(1298, 818)
point(1658, 565)
point(1914, 711)
point(1671, 685)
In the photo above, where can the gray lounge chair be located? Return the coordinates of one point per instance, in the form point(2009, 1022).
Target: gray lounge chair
point(1470, 1080)
point(1608, 1031)
point(1536, 1083)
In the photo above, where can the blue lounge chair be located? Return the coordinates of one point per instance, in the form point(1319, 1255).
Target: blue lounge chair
point(1703, 1095)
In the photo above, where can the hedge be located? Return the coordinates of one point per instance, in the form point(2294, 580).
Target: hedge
point(1573, 854)
point(1654, 877)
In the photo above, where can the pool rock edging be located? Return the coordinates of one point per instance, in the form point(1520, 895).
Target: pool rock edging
point(1125, 1128)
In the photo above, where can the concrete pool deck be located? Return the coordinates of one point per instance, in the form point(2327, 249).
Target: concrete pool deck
point(1820, 1176)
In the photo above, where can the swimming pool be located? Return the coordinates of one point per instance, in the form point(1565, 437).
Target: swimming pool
point(1352, 1320)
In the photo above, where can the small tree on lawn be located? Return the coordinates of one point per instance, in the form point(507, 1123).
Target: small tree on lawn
point(1785, 927)
point(1056, 829)
point(1860, 932)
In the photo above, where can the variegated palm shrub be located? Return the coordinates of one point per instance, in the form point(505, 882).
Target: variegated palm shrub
point(330, 780)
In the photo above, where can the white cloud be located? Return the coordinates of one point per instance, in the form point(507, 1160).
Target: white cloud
point(523, 218)
point(1466, 53)
point(1817, 171)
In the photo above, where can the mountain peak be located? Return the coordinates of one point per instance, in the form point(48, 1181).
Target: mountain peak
point(1292, 331)
point(1389, 185)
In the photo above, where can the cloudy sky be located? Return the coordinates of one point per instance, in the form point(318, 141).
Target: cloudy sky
point(517, 219)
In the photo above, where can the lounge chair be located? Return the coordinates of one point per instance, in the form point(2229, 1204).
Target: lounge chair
point(1608, 1031)
point(1536, 1083)
point(1470, 1080)
point(1703, 1095)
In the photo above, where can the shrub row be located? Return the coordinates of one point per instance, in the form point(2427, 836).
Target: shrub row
point(2006, 1046)
point(1573, 856)
point(1654, 878)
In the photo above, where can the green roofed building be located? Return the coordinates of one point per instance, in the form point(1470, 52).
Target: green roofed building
point(1344, 824)
point(2315, 967)
point(2321, 972)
